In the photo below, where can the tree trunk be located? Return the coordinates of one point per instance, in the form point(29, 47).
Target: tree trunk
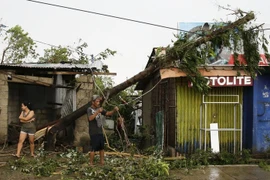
point(3, 55)
point(69, 119)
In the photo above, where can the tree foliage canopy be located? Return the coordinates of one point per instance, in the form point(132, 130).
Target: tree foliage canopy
point(242, 37)
point(55, 55)
point(18, 46)
point(75, 55)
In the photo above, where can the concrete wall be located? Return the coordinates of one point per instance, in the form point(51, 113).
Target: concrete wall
point(81, 133)
point(43, 116)
point(3, 108)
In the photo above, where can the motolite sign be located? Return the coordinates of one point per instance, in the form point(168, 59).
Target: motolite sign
point(226, 81)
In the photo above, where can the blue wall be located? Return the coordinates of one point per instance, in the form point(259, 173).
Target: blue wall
point(261, 113)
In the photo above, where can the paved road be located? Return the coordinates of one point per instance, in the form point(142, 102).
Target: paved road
point(227, 172)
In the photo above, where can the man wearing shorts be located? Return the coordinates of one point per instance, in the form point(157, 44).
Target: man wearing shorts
point(94, 113)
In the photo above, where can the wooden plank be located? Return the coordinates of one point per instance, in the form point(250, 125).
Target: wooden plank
point(217, 71)
point(24, 79)
point(124, 154)
point(30, 80)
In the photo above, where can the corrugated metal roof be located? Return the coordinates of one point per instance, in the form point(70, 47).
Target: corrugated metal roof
point(59, 66)
point(46, 66)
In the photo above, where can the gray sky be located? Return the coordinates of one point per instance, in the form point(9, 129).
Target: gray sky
point(132, 41)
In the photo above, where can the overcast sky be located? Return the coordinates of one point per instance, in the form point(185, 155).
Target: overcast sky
point(132, 41)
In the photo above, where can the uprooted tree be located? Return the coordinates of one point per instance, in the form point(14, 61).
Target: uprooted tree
point(189, 54)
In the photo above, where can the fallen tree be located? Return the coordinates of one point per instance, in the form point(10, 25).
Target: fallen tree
point(177, 52)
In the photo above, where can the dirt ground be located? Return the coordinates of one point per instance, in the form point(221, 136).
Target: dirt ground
point(234, 172)
point(7, 173)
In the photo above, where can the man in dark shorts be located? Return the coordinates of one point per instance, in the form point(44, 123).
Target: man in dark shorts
point(94, 113)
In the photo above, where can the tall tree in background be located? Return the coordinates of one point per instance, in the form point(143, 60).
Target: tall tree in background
point(75, 55)
point(55, 55)
point(18, 46)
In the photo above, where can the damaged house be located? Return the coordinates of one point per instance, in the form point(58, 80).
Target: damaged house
point(55, 90)
point(233, 116)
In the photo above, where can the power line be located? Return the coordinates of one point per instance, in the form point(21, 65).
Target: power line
point(45, 43)
point(107, 15)
point(116, 17)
